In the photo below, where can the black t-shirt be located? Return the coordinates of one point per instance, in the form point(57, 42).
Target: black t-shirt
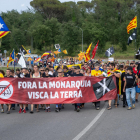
point(74, 74)
point(130, 80)
point(44, 76)
point(27, 75)
point(18, 75)
point(55, 74)
point(66, 74)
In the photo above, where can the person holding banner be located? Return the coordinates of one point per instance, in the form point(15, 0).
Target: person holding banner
point(96, 73)
point(24, 74)
point(35, 74)
point(2, 73)
point(114, 72)
point(58, 106)
point(8, 105)
point(77, 73)
point(46, 75)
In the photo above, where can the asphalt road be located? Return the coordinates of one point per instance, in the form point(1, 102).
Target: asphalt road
point(115, 124)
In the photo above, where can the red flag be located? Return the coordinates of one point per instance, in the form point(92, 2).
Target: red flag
point(94, 50)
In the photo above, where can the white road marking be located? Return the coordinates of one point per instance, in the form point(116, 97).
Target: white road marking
point(91, 123)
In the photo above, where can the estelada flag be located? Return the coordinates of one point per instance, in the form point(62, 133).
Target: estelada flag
point(3, 28)
point(65, 52)
point(28, 51)
point(94, 50)
point(11, 58)
point(132, 24)
point(87, 54)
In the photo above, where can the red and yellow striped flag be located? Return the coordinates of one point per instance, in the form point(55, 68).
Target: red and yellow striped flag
point(132, 24)
point(87, 54)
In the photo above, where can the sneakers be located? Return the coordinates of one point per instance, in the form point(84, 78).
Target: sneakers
point(49, 110)
point(97, 108)
point(13, 108)
point(24, 111)
point(133, 106)
point(129, 108)
point(123, 105)
point(20, 111)
point(2, 110)
point(56, 110)
point(31, 112)
point(8, 112)
point(78, 109)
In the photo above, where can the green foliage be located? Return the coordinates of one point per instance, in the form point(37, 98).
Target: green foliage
point(42, 36)
point(50, 22)
point(70, 37)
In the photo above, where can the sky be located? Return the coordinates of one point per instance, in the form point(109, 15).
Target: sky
point(19, 5)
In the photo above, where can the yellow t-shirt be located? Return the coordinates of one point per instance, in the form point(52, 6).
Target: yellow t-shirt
point(1, 75)
point(95, 73)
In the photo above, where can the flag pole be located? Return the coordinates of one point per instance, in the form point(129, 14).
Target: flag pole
point(135, 50)
point(135, 45)
point(14, 60)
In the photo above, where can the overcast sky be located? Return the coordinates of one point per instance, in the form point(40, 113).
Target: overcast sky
point(19, 5)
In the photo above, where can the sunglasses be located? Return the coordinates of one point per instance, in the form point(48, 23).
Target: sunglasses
point(41, 70)
point(59, 72)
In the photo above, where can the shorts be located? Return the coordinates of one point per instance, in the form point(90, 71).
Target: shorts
point(137, 89)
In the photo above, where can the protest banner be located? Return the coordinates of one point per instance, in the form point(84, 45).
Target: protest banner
point(57, 90)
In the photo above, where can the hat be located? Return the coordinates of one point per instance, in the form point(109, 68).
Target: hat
point(136, 63)
point(129, 68)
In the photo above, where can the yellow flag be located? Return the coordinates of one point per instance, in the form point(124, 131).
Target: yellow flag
point(65, 52)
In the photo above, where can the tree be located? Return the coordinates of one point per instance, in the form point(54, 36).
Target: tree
point(49, 8)
point(70, 38)
point(54, 25)
point(42, 36)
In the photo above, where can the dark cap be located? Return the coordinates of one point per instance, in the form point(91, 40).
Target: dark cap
point(129, 68)
point(137, 63)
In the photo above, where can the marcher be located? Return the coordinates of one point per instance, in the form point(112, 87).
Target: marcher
point(35, 74)
point(129, 87)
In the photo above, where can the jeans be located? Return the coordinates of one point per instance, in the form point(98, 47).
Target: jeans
point(58, 105)
point(13, 105)
point(77, 105)
point(131, 91)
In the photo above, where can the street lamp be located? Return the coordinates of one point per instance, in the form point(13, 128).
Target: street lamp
point(82, 37)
